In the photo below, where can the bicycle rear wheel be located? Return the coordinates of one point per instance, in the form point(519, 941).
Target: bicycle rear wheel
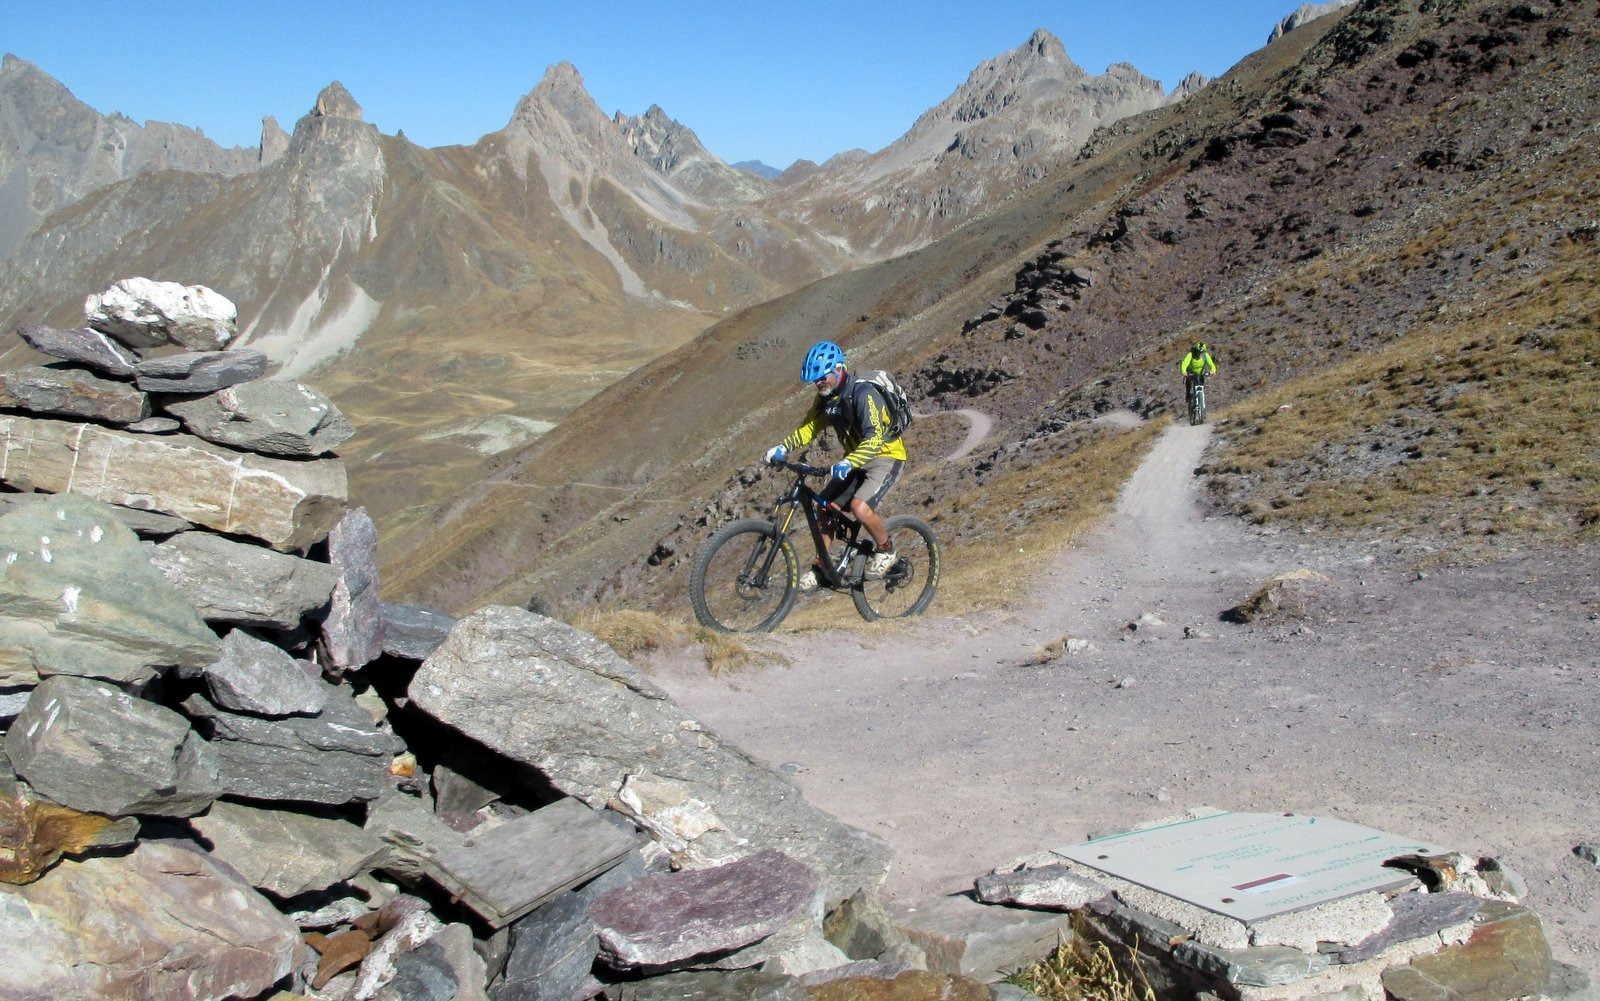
point(908, 587)
point(745, 578)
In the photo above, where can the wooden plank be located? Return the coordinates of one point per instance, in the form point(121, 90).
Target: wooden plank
point(521, 864)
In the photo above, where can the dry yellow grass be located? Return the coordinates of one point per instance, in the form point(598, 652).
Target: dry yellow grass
point(1086, 969)
point(632, 633)
point(1476, 426)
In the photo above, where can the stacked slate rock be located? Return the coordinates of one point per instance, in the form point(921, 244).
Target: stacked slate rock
point(228, 771)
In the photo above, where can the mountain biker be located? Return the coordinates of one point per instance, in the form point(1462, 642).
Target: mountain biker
point(1196, 365)
point(859, 415)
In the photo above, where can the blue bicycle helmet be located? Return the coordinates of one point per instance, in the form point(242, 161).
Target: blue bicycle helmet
point(821, 360)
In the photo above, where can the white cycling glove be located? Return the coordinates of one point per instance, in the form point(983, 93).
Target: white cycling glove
point(775, 455)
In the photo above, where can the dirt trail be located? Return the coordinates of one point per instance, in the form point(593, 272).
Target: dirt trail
point(1454, 706)
point(979, 424)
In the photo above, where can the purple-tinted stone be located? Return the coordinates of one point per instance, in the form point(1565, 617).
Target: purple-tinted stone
point(672, 917)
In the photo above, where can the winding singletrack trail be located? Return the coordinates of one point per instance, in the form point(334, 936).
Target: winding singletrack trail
point(1408, 708)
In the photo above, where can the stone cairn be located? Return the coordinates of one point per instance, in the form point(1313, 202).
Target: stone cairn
point(229, 771)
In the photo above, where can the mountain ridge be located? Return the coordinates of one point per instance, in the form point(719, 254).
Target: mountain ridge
point(548, 257)
point(56, 150)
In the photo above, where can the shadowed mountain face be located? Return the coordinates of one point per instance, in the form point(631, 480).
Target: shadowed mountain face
point(1370, 219)
point(54, 150)
point(456, 302)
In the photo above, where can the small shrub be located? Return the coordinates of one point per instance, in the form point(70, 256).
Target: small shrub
point(1085, 969)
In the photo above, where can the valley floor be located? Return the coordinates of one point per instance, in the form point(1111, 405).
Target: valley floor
point(1454, 705)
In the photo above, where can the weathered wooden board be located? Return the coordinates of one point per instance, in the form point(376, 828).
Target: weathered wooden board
point(519, 865)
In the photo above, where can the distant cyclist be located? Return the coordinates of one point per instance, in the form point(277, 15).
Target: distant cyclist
point(1196, 365)
point(858, 413)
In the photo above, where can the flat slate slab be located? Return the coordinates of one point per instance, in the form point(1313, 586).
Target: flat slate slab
point(287, 504)
point(521, 864)
point(1253, 866)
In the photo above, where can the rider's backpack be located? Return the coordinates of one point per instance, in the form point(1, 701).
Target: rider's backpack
point(895, 397)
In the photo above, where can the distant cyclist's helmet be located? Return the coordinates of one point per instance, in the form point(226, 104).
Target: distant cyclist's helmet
point(823, 358)
point(1200, 348)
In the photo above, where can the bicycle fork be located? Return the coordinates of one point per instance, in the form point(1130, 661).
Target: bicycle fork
point(757, 571)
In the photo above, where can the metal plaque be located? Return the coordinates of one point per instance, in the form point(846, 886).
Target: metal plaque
point(1251, 866)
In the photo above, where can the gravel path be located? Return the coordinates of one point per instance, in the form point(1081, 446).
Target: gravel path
point(1455, 706)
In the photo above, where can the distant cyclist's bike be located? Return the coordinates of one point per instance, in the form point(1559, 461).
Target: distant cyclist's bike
point(746, 578)
point(1197, 402)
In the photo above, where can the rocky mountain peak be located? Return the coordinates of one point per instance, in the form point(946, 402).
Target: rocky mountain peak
point(1191, 84)
point(31, 88)
point(1305, 14)
point(1039, 63)
point(1129, 73)
point(274, 141)
point(561, 95)
point(335, 102)
point(1043, 44)
point(660, 140)
point(560, 86)
point(677, 152)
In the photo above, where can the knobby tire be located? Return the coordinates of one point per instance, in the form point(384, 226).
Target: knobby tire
point(909, 587)
point(725, 595)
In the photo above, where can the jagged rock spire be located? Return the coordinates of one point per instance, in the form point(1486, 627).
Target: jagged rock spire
point(336, 102)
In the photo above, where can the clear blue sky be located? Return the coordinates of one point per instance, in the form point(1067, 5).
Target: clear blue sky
point(767, 81)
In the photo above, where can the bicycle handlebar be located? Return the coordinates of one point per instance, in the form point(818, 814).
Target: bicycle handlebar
point(804, 469)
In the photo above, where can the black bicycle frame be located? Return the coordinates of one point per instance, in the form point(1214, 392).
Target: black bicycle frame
point(801, 496)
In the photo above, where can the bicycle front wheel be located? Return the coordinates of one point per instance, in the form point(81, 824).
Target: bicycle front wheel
point(908, 587)
point(745, 578)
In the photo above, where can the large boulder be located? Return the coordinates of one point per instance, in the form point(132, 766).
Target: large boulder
point(272, 418)
point(287, 505)
point(548, 695)
point(142, 313)
point(162, 922)
point(95, 748)
point(231, 582)
point(72, 392)
point(79, 596)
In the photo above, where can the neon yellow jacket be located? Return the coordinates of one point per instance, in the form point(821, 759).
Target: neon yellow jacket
point(1193, 364)
point(858, 415)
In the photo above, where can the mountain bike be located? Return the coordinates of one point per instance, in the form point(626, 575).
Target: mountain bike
point(1197, 402)
point(747, 576)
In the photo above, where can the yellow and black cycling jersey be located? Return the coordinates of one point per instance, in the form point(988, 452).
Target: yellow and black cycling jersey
point(859, 415)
